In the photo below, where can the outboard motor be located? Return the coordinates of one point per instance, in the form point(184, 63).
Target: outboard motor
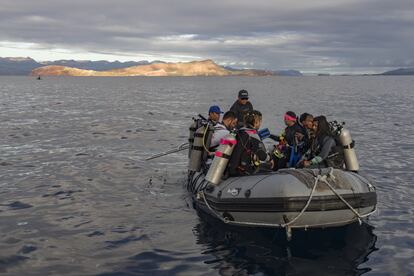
point(202, 139)
point(221, 158)
point(351, 161)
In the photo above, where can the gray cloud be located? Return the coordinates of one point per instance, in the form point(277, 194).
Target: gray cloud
point(342, 35)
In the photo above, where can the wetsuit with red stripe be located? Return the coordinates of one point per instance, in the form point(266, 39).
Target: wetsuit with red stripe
point(248, 147)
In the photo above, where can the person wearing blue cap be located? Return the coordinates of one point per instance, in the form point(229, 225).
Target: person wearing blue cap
point(242, 106)
point(214, 113)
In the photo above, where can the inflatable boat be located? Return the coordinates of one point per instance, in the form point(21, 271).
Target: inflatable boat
point(288, 198)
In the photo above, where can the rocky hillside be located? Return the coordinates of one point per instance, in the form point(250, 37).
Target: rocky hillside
point(25, 66)
point(194, 68)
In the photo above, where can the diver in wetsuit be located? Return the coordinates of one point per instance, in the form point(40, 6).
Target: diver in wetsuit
point(324, 151)
point(250, 154)
point(242, 106)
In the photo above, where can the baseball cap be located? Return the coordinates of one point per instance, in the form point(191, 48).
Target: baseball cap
point(215, 109)
point(243, 94)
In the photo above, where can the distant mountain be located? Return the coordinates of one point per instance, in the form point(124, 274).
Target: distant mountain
point(291, 73)
point(100, 65)
point(399, 72)
point(26, 65)
point(194, 68)
point(17, 66)
point(248, 72)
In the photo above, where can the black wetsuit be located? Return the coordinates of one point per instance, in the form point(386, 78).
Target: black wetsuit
point(292, 130)
point(248, 145)
point(326, 153)
point(306, 137)
point(241, 110)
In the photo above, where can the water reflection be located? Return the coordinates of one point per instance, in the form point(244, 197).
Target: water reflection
point(338, 251)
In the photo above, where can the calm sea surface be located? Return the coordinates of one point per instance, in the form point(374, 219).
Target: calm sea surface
point(78, 198)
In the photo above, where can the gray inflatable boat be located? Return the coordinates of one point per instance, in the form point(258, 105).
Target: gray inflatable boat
point(289, 198)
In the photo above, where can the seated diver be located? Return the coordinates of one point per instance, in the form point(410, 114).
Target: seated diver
point(209, 124)
point(287, 135)
point(221, 129)
point(323, 152)
point(300, 139)
point(212, 118)
point(214, 114)
point(249, 155)
point(306, 124)
point(291, 143)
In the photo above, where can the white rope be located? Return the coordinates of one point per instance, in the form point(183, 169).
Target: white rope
point(322, 178)
point(307, 203)
point(342, 199)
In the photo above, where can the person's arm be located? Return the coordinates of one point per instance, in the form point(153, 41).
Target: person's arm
point(217, 136)
point(274, 137)
point(290, 135)
point(235, 158)
point(259, 149)
point(250, 105)
point(327, 146)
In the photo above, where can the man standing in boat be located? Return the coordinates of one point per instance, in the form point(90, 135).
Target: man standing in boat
point(242, 106)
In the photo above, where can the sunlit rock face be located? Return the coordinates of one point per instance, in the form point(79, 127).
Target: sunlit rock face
point(194, 68)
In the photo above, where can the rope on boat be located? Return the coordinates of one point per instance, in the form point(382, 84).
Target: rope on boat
point(330, 174)
point(322, 178)
point(319, 177)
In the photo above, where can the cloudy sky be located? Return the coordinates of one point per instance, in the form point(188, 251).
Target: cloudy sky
point(341, 36)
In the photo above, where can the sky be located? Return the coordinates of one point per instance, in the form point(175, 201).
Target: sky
point(331, 36)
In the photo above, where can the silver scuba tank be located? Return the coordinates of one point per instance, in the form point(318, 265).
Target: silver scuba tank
point(194, 163)
point(351, 161)
point(198, 148)
point(207, 142)
point(221, 158)
point(192, 129)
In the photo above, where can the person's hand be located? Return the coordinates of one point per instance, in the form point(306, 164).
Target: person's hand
point(306, 163)
point(272, 164)
point(299, 165)
point(299, 135)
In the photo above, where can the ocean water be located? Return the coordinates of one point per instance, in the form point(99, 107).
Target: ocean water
point(78, 198)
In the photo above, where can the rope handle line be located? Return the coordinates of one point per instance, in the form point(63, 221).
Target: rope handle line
point(322, 178)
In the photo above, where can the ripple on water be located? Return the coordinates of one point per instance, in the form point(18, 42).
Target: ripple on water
point(7, 262)
point(16, 205)
point(77, 193)
point(118, 243)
